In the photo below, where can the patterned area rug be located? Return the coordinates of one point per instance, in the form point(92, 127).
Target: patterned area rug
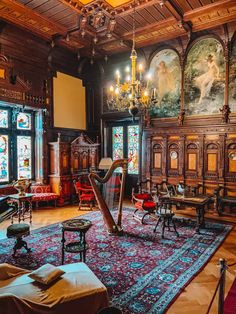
point(143, 273)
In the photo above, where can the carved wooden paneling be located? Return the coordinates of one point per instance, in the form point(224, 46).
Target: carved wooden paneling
point(157, 157)
point(192, 159)
point(209, 158)
point(231, 159)
point(173, 158)
point(84, 155)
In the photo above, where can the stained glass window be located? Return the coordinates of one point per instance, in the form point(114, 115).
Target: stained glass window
point(3, 118)
point(117, 142)
point(24, 121)
point(4, 158)
point(133, 149)
point(24, 159)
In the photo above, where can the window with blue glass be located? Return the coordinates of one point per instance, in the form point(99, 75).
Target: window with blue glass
point(16, 144)
point(125, 144)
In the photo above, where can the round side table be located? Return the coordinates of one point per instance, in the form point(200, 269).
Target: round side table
point(75, 225)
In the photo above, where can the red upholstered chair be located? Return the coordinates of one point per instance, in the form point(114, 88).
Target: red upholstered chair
point(85, 195)
point(42, 193)
point(143, 202)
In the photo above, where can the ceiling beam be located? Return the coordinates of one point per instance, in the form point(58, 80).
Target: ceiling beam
point(219, 5)
point(23, 17)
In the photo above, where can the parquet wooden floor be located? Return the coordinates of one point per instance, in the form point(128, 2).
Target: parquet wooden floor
point(197, 295)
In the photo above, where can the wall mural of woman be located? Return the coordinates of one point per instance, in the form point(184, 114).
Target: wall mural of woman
point(166, 77)
point(232, 79)
point(204, 78)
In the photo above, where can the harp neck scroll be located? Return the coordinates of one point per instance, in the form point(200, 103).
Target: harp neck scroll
point(98, 183)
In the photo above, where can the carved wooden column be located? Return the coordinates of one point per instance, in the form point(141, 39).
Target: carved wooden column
point(147, 161)
point(222, 157)
point(182, 110)
point(181, 157)
point(201, 157)
point(225, 110)
point(140, 174)
point(164, 162)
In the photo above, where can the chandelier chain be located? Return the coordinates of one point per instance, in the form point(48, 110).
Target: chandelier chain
point(134, 11)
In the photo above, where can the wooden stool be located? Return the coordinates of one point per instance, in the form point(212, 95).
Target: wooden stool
point(166, 218)
point(18, 231)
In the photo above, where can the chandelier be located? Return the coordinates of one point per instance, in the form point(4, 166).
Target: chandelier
point(135, 93)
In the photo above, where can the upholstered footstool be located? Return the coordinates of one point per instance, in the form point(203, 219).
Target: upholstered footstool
point(18, 231)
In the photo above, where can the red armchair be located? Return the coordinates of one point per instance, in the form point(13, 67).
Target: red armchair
point(42, 193)
point(85, 195)
point(143, 203)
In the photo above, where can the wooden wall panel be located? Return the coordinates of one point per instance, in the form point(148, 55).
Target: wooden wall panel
point(232, 165)
point(157, 160)
point(211, 162)
point(214, 152)
point(192, 161)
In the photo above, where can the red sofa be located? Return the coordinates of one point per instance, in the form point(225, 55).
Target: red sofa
point(42, 193)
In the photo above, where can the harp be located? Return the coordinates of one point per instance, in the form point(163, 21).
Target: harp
point(100, 184)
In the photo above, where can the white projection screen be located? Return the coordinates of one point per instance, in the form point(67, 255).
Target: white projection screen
point(69, 102)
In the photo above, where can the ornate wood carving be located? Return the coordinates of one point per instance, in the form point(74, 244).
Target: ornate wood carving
point(74, 25)
point(11, 85)
point(84, 155)
point(208, 157)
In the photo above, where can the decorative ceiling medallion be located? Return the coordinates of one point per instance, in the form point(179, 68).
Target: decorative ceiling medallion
point(113, 3)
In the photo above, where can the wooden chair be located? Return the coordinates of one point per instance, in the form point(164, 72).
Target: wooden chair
point(85, 195)
point(227, 198)
point(165, 217)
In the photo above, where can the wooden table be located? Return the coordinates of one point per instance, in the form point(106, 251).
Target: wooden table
point(24, 206)
point(198, 202)
point(80, 226)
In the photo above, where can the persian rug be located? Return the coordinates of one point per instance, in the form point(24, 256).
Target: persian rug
point(142, 272)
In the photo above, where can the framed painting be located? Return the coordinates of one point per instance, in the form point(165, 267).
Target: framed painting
point(204, 78)
point(166, 78)
point(232, 79)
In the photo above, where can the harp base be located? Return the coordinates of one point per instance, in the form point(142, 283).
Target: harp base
point(118, 231)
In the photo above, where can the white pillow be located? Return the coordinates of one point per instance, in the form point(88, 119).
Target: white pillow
point(46, 274)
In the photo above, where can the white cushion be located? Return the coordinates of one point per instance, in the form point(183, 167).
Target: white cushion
point(46, 274)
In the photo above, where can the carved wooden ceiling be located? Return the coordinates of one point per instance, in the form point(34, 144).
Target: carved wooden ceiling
point(104, 27)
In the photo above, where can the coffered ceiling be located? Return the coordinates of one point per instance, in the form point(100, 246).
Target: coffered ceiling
point(104, 27)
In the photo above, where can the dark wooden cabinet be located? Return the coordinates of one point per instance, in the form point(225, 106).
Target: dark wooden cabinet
point(60, 177)
point(68, 162)
point(84, 155)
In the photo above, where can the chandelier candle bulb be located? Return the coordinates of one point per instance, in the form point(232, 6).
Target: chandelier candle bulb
point(118, 77)
point(140, 69)
point(127, 69)
point(111, 89)
point(154, 93)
